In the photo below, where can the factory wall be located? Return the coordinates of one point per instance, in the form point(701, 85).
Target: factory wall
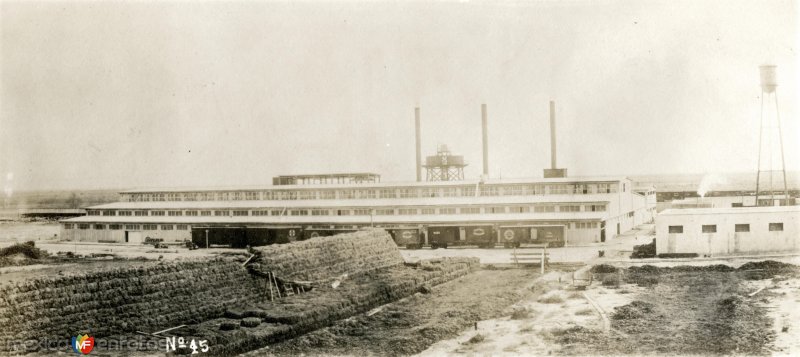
point(760, 237)
point(118, 235)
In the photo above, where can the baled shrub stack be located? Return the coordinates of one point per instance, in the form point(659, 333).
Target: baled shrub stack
point(123, 300)
point(324, 258)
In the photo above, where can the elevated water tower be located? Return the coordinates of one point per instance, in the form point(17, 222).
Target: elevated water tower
point(770, 140)
point(444, 166)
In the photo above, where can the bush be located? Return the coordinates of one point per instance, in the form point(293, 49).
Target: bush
point(28, 249)
point(678, 255)
point(551, 299)
point(604, 269)
point(575, 295)
point(228, 325)
point(476, 339)
point(520, 314)
point(635, 310)
point(586, 311)
point(644, 250)
point(611, 281)
point(251, 321)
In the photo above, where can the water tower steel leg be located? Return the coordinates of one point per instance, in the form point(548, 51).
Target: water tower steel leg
point(760, 134)
point(780, 137)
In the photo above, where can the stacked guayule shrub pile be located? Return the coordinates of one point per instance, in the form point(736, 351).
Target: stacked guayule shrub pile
point(324, 305)
point(323, 258)
point(122, 300)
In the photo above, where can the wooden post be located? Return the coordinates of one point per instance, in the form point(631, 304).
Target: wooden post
point(269, 281)
point(544, 254)
point(277, 288)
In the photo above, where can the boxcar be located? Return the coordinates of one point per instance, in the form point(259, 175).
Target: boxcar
point(482, 236)
point(312, 233)
point(552, 235)
point(514, 236)
point(443, 236)
point(408, 237)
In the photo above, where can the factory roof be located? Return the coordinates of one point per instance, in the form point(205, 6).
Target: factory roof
point(422, 201)
point(386, 184)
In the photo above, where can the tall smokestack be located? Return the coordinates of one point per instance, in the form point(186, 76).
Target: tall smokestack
point(553, 135)
point(419, 145)
point(553, 171)
point(485, 141)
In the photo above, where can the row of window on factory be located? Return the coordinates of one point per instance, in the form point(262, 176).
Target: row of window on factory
point(355, 211)
point(392, 192)
point(185, 227)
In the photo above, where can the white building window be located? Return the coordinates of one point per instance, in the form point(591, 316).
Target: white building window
point(124, 213)
point(182, 227)
point(675, 229)
point(327, 195)
point(709, 228)
point(387, 193)
point(241, 213)
point(429, 211)
point(156, 213)
point(489, 191)
point(408, 193)
point(740, 228)
point(175, 213)
point(776, 227)
point(519, 209)
point(306, 195)
point(319, 212)
point(569, 208)
point(149, 227)
point(448, 210)
point(407, 211)
point(132, 227)
point(67, 225)
point(166, 227)
point(469, 210)
point(205, 213)
point(496, 209)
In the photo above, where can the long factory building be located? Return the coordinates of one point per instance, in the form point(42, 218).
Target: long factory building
point(560, 211)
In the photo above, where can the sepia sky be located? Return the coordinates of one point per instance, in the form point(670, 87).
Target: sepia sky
point(143, 94)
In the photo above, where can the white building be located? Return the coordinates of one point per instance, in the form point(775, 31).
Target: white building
point(719, 231)
point(558, 210)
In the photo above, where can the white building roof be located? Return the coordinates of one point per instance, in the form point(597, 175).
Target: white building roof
point(586, 179)
point(730, 210)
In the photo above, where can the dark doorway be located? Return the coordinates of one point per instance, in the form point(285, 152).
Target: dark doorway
point(126, 236)
point(602, 234)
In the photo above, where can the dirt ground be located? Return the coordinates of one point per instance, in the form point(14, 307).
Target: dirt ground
point(20, 231)
point(679, 311)
point(411, 325)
